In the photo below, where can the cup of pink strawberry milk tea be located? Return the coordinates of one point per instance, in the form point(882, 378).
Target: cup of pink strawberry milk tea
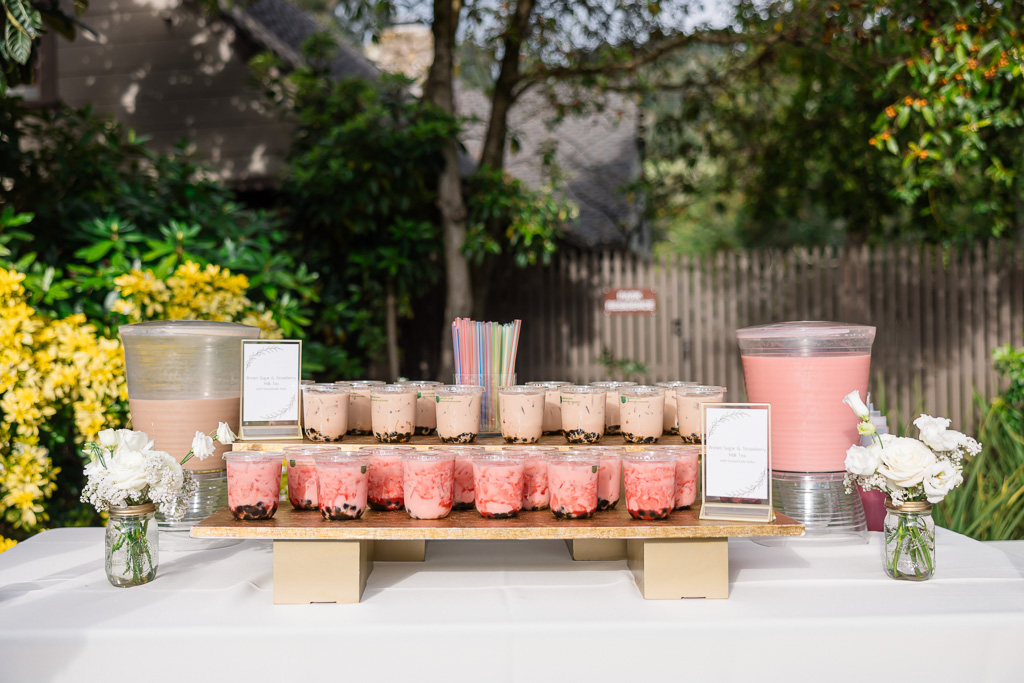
point(428, 479)
point(462, 497)
point(609, 477)
point(572, 483)
point(535, 476)
point(342, 484)
point(687, 474)
point(650, 478)
point(254, 483)
point(498, 484)
point(384, 482)
point(301, 470)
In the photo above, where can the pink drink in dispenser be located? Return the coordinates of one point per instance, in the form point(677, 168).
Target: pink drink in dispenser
point(804, 369)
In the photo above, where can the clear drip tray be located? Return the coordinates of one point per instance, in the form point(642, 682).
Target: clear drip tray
point(819, 501)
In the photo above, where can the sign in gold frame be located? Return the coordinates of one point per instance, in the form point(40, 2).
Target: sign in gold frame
point(739, 507)
point(285, 381)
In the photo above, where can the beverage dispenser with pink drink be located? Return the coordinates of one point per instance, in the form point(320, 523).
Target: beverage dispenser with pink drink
point(804, 369)
point(185, 376)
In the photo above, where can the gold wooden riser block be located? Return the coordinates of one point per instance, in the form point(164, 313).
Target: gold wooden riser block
point(333, 571)
point(670, 569)
point(399, 551)
point(597, 549)
point(321, 571)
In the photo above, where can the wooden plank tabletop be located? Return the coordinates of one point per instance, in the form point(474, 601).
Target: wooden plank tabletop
point(288, 523)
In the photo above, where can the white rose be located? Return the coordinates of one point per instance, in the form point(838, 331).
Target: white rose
point(905, 461)
point(862, 461)
point(935, 434)
point(128, 471)
point(129, 440)
point(108, 439)
point(224, 433)
point(852, 399)
point(202, 446)
point(940, 479)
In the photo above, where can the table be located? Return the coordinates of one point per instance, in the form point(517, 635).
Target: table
point(316, 560)
point(511, 611)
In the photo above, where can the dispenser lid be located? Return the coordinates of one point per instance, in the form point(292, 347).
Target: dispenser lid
point(170, 328)
point(805, 338)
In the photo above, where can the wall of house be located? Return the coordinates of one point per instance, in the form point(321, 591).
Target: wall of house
point(168, 72)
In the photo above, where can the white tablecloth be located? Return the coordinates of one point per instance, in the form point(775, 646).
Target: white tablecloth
point(490, 611)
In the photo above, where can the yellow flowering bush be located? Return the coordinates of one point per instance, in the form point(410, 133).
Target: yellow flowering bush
point(192, 292)
point(47, 367)
point(62, 380)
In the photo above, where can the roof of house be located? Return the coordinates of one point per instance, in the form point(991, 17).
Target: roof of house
point(281, 27)
point(599, 155)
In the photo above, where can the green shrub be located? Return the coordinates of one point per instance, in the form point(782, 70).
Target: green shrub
point(989, 506)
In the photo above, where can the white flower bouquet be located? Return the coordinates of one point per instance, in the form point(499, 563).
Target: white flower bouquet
point(125, 470)
point(920, 472)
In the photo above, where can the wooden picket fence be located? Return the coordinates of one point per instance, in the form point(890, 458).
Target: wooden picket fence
point(938, 313)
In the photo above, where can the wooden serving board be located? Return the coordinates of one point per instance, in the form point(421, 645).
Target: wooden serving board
point(291, 524)
point(316, 560)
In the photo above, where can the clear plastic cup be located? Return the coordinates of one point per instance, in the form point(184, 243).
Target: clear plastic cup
point(463, 495)
point(552, 406)
point(457, 413)
point(536, 495)
point(650, 478)
point(609, 478)
point(325, 411)
point(642, 410)
point(688, 400)
point(426, 413)
point(342, 484)
point(385, 490)
point(572, 482)
point(521, 411)
point(687, 475)
point(393, 412)
point(498, 485)
point(612, 425)
point(583, 411)
point(359, 422)
point(254, 483)
point(428, 479)
point(301, 469)
point(671, 425)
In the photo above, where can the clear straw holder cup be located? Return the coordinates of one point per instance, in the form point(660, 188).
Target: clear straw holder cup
point(490, 423)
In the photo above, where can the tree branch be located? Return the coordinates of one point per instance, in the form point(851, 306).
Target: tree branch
point(719, 37)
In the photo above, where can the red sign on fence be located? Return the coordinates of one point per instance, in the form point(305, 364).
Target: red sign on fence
point(631, 301)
